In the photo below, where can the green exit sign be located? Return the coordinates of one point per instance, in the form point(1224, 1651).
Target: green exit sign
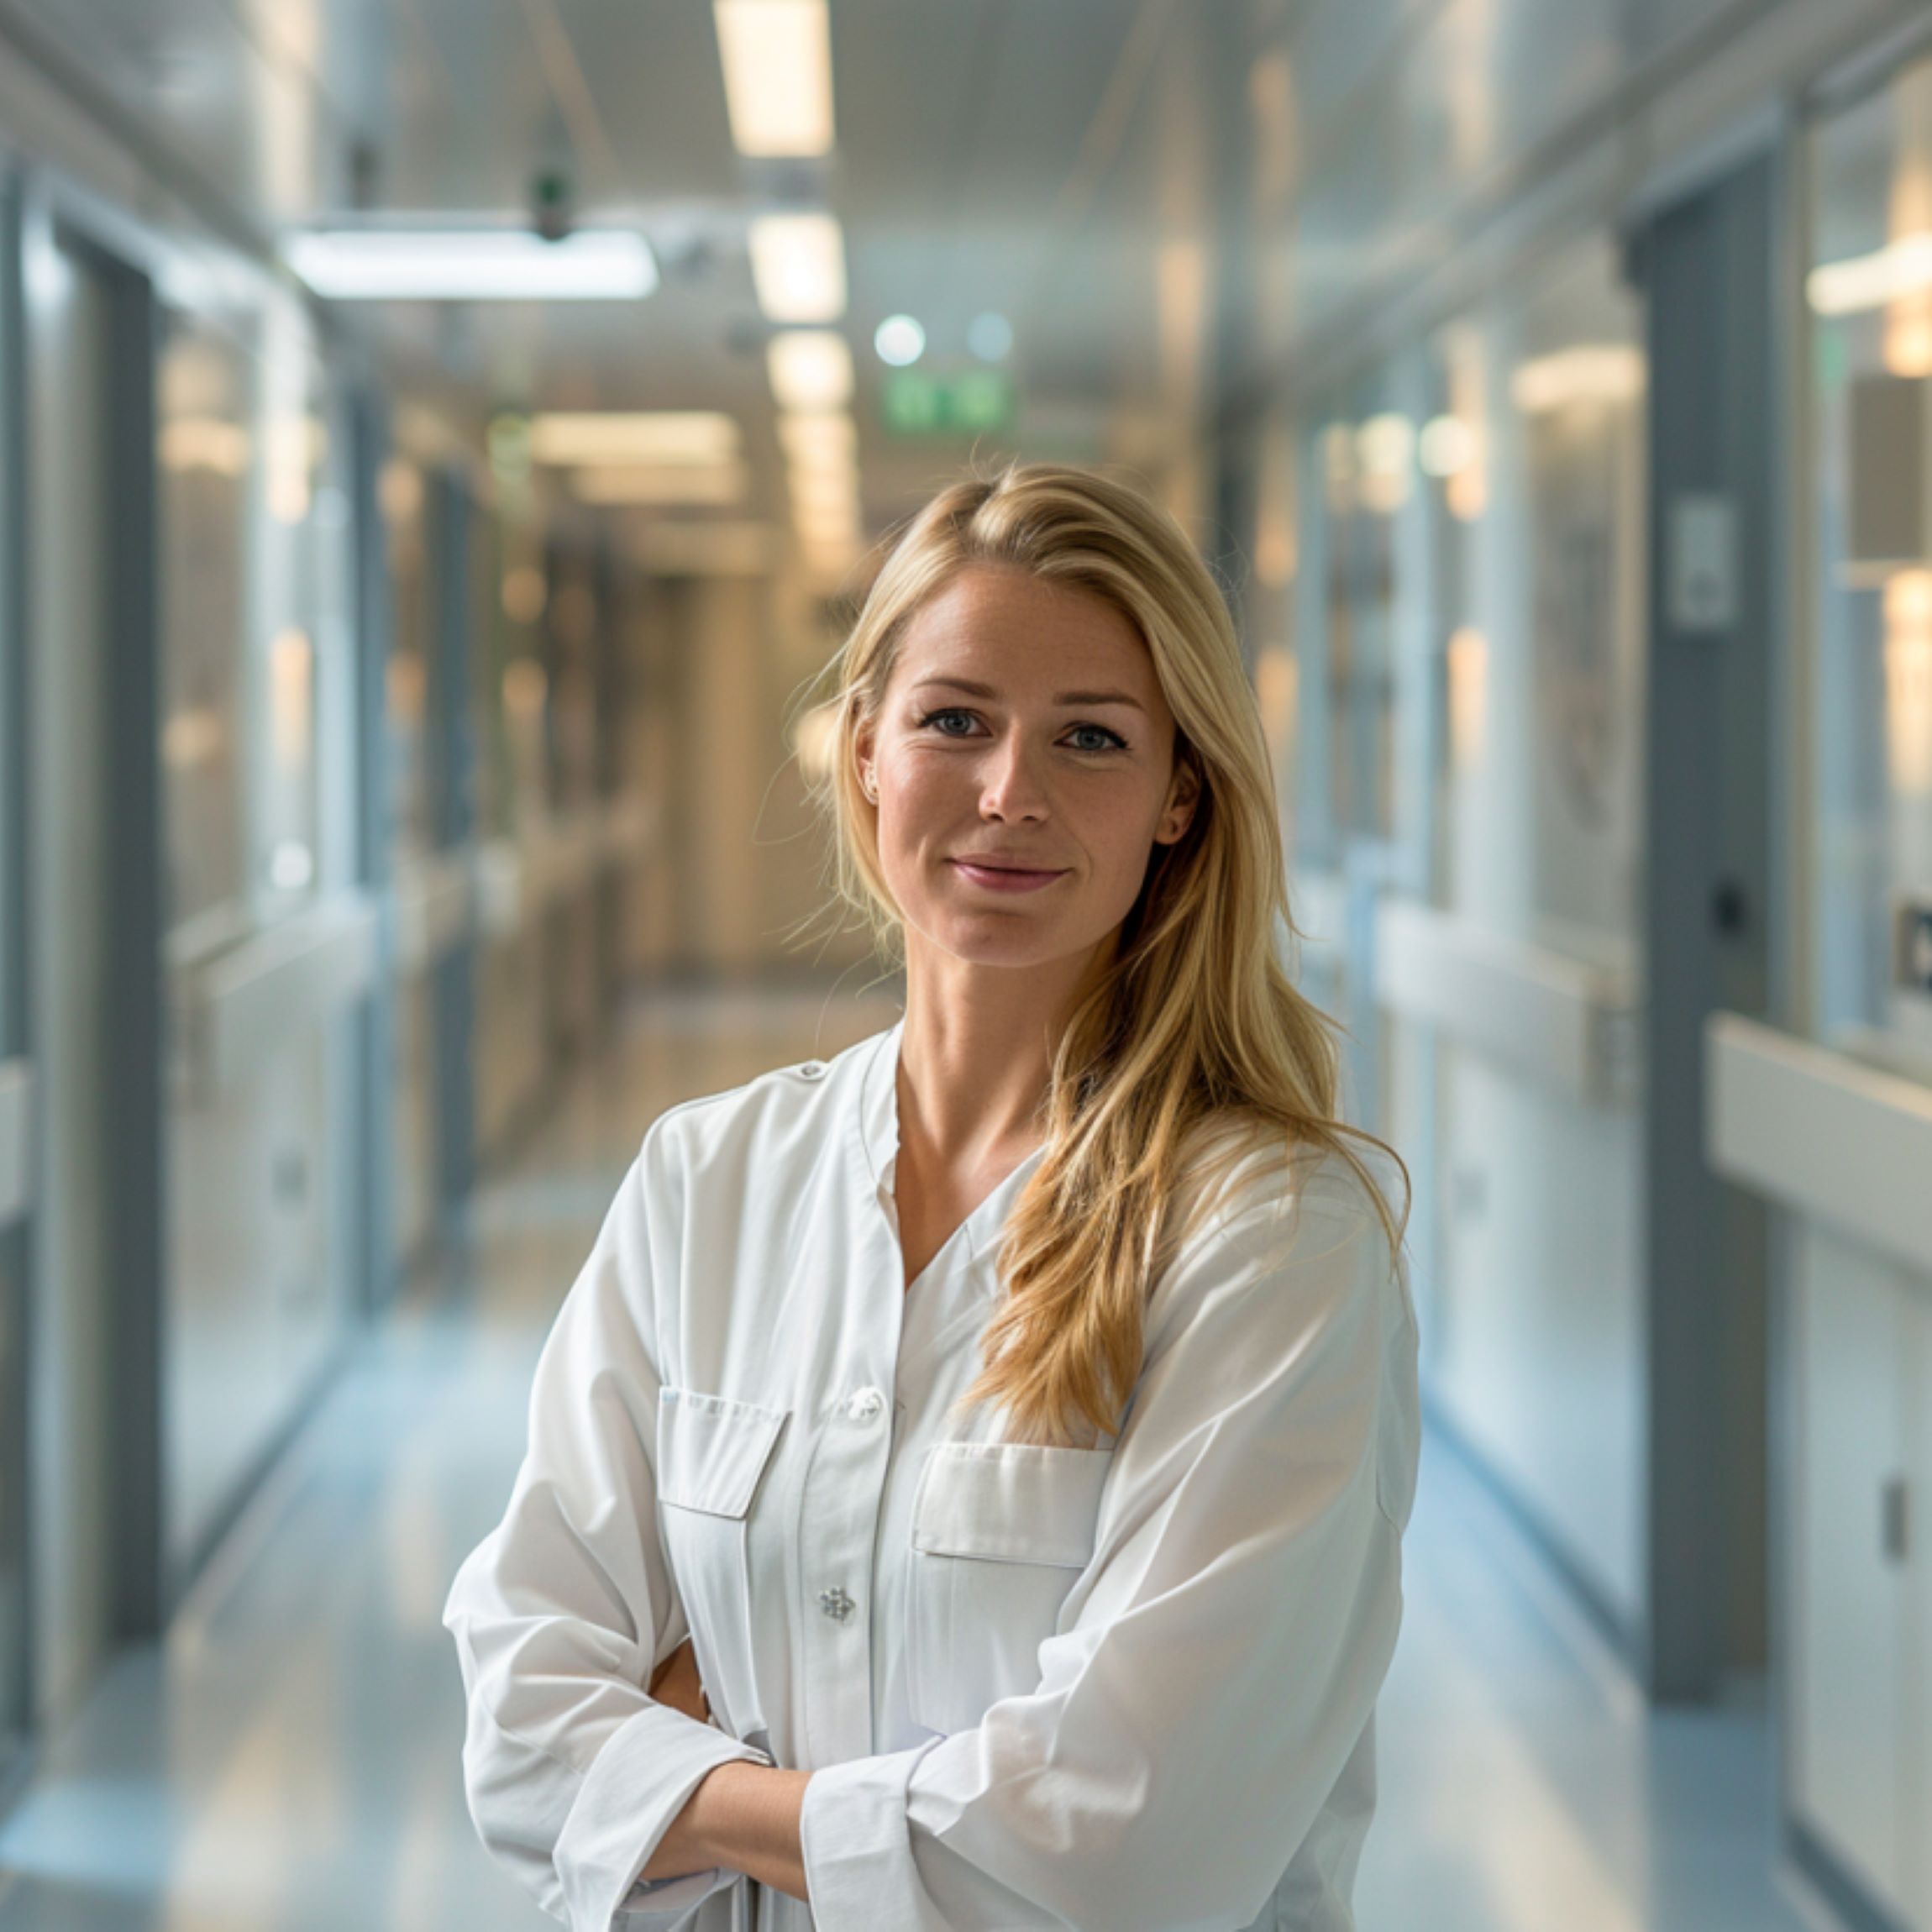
point(916, 403)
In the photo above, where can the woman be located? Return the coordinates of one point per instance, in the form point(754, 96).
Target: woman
point(1017, 1411)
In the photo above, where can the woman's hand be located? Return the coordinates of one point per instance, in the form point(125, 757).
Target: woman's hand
point(676, 1682)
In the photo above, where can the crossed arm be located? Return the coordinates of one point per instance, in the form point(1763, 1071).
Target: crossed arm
point(742, 1817)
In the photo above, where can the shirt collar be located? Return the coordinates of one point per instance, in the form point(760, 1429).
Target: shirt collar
point(878, 1108)
point(879, 1132)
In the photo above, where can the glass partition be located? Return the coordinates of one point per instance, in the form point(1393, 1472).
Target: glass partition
point(252, 644)
point(1858, 1673)
point(1870, 914)
point(1533, 472)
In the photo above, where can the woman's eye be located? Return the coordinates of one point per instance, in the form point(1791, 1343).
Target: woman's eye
point(948, 720)
point(1107, 740)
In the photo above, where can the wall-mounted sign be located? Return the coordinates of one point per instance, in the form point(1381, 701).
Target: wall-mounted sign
point(1703, 582)
point(917, 402)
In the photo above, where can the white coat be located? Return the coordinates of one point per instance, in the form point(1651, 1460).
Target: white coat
point(1129, 1688)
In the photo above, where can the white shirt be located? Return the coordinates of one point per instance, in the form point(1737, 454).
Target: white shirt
point(1118, 1688)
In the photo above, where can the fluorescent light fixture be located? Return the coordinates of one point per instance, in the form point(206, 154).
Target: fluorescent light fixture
point(777, 58)
point(1871, 281)
point(819, 440)
point(810, 369)
point(473, 264)
point(1590, 372)
point(662, 483)
point(798, 267)
point(900, 340)
point(656, 436)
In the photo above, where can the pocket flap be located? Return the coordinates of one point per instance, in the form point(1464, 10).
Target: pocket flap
point(712, 1450)
point(1013, 1501)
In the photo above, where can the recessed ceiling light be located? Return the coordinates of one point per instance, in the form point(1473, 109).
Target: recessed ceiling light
point(798, 267)
point(900, 340)
point(473, 264)
point(661, 436)
point(989, 337)
point(777, 59)
point(810, 369)
point(1901, 268)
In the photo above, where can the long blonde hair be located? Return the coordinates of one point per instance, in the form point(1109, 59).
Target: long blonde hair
point(1195, 1025)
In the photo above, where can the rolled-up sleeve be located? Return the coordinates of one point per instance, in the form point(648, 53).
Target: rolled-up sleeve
point(574, 1773)
point(1220, 1658)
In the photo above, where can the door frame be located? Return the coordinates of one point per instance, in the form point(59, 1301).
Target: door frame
point(17, 1671)
point(1707, 249)
point(55, 214)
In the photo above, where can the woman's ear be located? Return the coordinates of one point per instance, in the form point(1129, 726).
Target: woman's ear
point(1184, 796)
point(863, 740)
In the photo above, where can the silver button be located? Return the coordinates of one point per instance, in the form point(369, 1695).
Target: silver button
point(836, 1604)
point(812, 1069)
point(866, 1405)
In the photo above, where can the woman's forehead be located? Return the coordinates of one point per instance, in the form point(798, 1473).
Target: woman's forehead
point(1006, 629)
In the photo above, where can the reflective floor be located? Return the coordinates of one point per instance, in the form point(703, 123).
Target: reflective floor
point(289, 1757)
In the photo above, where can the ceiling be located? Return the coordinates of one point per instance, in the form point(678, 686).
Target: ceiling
point(1001, 154)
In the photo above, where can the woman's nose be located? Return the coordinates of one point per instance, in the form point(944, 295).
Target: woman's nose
point(1011, 787)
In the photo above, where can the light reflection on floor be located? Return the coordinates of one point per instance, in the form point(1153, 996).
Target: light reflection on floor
point(287, 1761)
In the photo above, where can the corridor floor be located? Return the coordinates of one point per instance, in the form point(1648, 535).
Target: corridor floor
point(287, 1759)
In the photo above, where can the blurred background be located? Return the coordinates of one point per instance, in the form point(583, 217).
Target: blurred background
point(439, 439)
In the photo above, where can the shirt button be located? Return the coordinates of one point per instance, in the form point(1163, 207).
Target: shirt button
point(812, 1069)
point(866, 1405)
point(836, 1604)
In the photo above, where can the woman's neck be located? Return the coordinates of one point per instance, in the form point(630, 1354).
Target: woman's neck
point(975, 1054)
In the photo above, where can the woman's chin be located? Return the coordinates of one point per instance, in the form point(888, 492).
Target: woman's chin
point(1007, 940)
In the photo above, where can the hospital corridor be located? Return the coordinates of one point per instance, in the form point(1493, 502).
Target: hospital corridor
point(449, 452)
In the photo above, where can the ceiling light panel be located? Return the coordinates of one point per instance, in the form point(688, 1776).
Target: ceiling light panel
point(607, 436)
point(810, 369)
point(777, 59)
point(473, 264)
point(823, 437)
point(798, 267)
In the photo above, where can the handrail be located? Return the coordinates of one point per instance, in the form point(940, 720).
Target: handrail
point(1563, 1022)
point(1822, 1132)
point(242, 1004)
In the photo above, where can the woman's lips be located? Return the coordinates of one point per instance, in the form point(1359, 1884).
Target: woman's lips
point(1002, 879)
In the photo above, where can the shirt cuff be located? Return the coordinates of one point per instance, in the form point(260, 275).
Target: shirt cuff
point(857, 1846)
point(627, 1801)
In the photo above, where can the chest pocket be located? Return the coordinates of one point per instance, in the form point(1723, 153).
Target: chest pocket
point(711, 1453)
point(999, 1532)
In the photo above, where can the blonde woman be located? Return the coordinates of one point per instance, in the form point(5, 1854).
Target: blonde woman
point(965, 1485)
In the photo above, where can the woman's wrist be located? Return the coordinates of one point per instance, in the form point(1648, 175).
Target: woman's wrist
point(742, 1817)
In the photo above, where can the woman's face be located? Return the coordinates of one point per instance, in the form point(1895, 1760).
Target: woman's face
point(1022, 765)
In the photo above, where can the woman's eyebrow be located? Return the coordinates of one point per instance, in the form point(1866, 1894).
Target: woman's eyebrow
point(978, 690)
point(1099, 698)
